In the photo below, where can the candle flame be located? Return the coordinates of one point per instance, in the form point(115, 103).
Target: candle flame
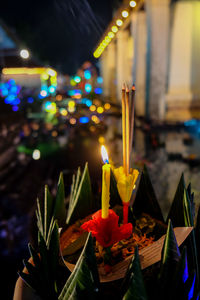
point(104, 154)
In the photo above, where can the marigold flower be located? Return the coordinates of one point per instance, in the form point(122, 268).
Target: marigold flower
point(107, 231)
point(125, 183)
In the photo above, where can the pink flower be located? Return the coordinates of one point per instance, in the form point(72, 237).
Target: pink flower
point(107, 231)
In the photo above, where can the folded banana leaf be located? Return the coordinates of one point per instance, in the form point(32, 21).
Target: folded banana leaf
point(83, 282)
point(145, 200)
point(169, 260)
point(81, 199)
point(133, 282)
point(41, 274)
point(176, 213)
point(181, 275)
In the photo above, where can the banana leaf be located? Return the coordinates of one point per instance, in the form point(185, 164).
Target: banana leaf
point(197, 234)
point(191, 198)
point(81, 200)
point(145, 200)
point(191, 240)
point(53, 209)
point(169, 259)
point(42, 274)
point(181, 275)
point(176, 213)
point(134, 281)
point(191, 287)
point(59, 207)
point(83, 282)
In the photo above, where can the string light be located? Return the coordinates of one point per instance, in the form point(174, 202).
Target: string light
point(125, 13)
point(111, 34)
point(132, 4)
point(114, 29)
point(119, 22)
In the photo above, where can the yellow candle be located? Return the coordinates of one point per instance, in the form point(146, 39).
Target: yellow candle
point(105, 196)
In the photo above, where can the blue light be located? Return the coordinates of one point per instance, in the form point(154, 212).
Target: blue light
point(6, 101)
point(88, 102)
point(88, 87)
point(9, 98)
point(14, 89)
point(185, 274)
point(4, 92)
point(191, 292)
point(52, 89)
point(99, 80)
point(84, 120)
point(47, 105)
point(15, 108)
point(98, 90)
point(77, 79)
point(30, 100)
point(71, 93)
point(16, 101)
point(87, 74)
point(11, 82)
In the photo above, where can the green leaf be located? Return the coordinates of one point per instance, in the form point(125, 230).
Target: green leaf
point(169, 259)
point(81, 199)
point(197, 230)
point(191, 198)
point(34, 255)
point(83, 282)
point(181, 275)
point(48, 210)
point(30, 280)
point(145, 200)
point(54, 249)
point(134, 280)
point(59, 207)
point(176, 213)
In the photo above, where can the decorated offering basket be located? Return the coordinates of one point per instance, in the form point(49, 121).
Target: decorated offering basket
point(156, 246)
point(114, 243)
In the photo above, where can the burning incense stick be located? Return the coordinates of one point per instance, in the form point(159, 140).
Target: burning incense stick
point(132, 111)
point(127, 130)
point(124, 126)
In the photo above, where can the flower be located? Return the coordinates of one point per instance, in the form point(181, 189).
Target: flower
point(125, 183)
point(107, 231)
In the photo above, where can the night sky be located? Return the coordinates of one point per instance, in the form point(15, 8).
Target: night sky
point(62, 33)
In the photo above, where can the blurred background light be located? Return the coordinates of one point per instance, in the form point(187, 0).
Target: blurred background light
point(24, 53)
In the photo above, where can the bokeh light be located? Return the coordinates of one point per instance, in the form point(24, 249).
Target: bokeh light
point(24, 53)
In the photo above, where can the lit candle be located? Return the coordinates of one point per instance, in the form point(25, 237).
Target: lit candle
point(105, 197)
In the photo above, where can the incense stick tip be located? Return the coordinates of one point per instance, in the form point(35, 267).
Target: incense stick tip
point(133, 87)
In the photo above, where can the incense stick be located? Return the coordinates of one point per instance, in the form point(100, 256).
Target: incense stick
point(124, 126)
point(132, 110)
point(127, 131)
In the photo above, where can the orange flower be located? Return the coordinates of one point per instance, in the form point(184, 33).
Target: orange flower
point(107, 231)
